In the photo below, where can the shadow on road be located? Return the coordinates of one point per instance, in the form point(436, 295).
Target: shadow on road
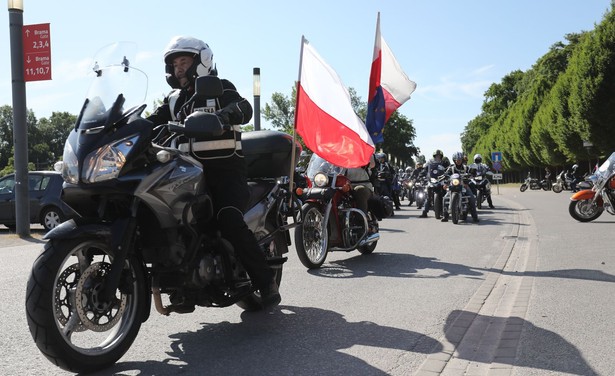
point(538, 349)
point(286, 341)
point(383, 264)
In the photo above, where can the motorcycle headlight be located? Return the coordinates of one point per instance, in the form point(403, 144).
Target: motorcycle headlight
point(321, 180)
point(107, 162)
point(456, 181)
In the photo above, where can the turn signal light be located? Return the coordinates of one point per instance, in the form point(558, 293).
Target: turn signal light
point(299, 191)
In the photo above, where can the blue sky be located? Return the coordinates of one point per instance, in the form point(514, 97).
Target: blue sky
point(452, 49)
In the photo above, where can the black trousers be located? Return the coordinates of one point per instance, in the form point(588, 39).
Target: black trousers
point(230, 194)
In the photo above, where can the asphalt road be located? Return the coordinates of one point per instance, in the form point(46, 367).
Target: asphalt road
point(527, 291)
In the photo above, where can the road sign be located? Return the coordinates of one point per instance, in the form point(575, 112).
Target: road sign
point(496, 158)
point(36, 52)
point(497, 176)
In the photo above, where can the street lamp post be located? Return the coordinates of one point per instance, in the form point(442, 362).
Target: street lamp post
point(588, 145)
point(257, 98)
point(20, 134)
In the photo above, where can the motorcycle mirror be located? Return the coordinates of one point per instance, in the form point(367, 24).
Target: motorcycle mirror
point(208, 87)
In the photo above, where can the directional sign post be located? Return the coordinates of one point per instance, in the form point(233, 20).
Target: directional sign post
point(36, 52)
point(496, 158)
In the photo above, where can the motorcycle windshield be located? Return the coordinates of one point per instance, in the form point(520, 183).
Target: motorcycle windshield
point(605, 171)
point(318, 164)
point(116, 89)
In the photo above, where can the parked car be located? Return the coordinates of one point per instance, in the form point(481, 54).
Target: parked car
point(46, 205)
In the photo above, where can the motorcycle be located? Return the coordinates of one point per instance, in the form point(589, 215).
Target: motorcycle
point(330, 219)
point(419, 192)
point(435, 194)
point(562, 182)
point(483, 187)
point(143, 206)
point(456, 202)
point(588, 204)
point(534, 184)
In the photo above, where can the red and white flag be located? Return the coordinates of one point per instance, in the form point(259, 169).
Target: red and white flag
point(324, 116)
point(389, 87)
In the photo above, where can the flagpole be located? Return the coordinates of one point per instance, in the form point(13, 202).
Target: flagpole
point(294, 146)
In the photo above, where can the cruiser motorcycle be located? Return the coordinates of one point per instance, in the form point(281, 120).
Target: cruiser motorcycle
point(588, 204)
point(143, 206)
point(330, 219)
point(456, 202)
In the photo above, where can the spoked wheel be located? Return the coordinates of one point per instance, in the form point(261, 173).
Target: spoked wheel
point(312, 237)
point(73, 325)
point(274, 250)
point(557, 188)
point(523, 187)
point(455, 205)
point(584, 210)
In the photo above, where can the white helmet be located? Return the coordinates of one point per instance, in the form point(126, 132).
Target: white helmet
point(188, 46)
point(575, 166)
point(478, 158)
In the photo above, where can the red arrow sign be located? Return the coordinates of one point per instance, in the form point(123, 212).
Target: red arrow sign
point(36, 52)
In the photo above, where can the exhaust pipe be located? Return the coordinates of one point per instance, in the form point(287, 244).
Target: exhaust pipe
point(369, 239)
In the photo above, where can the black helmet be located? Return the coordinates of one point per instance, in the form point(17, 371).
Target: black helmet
point(438, 152)
point(188, 46)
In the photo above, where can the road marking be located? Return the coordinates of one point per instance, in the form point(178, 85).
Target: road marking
point(483, 338)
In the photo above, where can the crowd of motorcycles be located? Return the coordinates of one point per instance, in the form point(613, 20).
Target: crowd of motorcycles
point(147, 235)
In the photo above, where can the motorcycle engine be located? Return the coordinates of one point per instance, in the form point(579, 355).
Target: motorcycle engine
point(211, 268)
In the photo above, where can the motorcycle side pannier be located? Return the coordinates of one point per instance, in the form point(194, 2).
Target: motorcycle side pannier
point(267, 153)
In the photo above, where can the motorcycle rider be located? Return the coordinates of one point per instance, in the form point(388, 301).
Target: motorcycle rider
point(185, 59)
point(459, 168)
point(435, 168)
point(479, 167)
point(574, 177)
point(362, 188)
point(386, 173)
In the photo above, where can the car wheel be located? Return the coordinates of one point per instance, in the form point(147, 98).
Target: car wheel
point(51, 217)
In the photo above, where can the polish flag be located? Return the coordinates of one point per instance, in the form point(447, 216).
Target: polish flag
point(324, 116)
point(389, 87)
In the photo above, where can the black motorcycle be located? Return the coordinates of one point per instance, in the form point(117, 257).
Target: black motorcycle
point(456, 201)
point(436, 192)
point(482, 187)
point(419, 191)
point(535, 184)
point(143, 206)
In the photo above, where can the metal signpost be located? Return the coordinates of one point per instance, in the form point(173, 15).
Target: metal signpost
point(496, 158)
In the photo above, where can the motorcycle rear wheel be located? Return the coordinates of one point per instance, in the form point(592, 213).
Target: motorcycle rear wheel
point(523, 187)
point(312, 237)
point(70, 323)
point(584, 210)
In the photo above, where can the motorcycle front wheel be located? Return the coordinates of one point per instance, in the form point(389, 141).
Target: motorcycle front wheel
point(455, 207)
point(71, 323)
point(584, 210)
point(557, 188)
point(312, 237)
point(437, 205)
point(479, 200)
point(523, 187)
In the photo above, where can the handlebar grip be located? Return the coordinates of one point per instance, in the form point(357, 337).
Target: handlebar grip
point(175, 128)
